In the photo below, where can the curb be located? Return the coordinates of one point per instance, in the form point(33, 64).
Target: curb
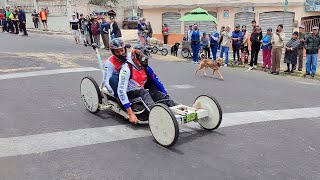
point(48, 32)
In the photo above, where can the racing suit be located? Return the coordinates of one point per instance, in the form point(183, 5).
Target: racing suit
point(134, 82)
point(111, 74)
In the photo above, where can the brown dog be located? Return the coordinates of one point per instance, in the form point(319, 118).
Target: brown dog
point(208, 63)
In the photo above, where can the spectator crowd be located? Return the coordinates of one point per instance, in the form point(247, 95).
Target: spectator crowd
point(13, 20)
point(271, 44)
point(91, 29)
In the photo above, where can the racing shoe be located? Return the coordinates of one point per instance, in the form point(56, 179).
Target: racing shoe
point(137, 108)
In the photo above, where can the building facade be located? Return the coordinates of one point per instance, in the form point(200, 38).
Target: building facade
point(228, 12)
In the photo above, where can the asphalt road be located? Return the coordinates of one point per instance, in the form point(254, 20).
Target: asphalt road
point(46, 133)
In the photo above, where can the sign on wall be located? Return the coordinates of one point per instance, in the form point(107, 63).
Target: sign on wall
point(312, 5)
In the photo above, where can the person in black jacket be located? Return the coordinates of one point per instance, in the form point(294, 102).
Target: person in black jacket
point(256, 38)
point(115, 30)
point(22, 21)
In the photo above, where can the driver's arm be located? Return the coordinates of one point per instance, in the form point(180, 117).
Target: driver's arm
point(108, 72)
point(156, 80)
point(124, 77)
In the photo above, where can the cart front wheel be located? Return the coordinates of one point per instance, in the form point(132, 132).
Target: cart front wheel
point(90, 94)
point(210, 104)
point(163, 125)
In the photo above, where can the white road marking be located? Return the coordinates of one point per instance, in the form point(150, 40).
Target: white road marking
point(20, 69)
point(47, 72)
point(39, 143)
point(183, 86)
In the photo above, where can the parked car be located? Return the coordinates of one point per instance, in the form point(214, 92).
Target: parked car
point(99, 14)
point(130, 22)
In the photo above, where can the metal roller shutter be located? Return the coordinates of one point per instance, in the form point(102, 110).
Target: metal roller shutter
point(172, 20)
point(273, 19)
point(204, 26)
point(244, 18)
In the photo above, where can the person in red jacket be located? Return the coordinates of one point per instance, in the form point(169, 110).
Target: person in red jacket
point(2, 18)
point(165, 33)
point(95, 28)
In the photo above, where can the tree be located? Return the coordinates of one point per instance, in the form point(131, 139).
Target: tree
point(106, 3)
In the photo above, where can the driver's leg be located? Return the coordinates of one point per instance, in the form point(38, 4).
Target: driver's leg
point(144, 94)
point(158, 96)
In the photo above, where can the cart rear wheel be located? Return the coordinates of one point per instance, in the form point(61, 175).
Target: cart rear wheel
point(90, 94)
point(164, 51)
point(185, 52)
point(210, 104)
point(163, 125)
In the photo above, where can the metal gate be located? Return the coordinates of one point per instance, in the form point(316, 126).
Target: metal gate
point(172, 20)
point(310, 22)
point(273, 19)
point(203, 26)
point(244, 18)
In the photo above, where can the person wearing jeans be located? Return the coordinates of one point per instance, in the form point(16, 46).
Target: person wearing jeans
point(312, 46)
point(226, 35)
point(195, 43)
point(256, 38)
point(266, 50)
point(214, 37)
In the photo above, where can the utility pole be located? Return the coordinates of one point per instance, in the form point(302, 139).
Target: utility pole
point(35, 5)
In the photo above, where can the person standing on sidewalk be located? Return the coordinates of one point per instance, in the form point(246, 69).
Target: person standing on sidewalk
point(165, 33)
point(35, 19)
point(214, 38)
point(8, 22)
point(205, 43)
point(2, 18)
point(15, 20)
point(244, 45)
point(312, 46)
point(75, 28)
point(142, 31)
point(236, 43)
point(266, 50)
point(22, 21)
point(104, 30)
point(290, 56)
point(226, 39)
point(277, 45)
point(256, 39)
point(95, 31)
point(301, 37)
point(220, 39)
point(44, 18)
point(195, 43)
point(114, 28)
